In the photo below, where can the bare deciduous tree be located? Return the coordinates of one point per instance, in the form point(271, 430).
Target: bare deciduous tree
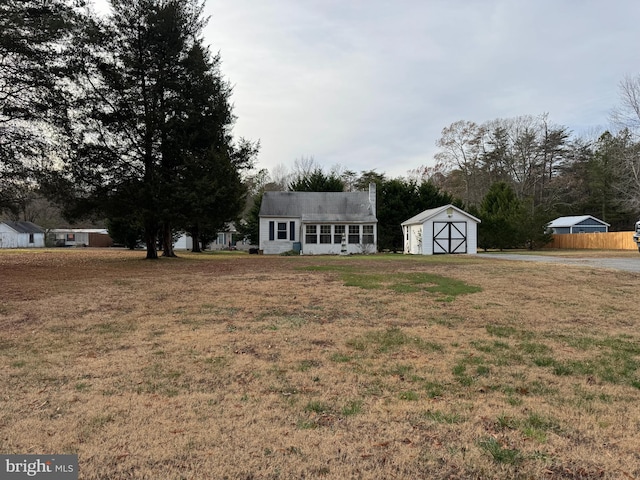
point(627, 114)
point(280, 177)
point(461, 149)
point(626, 117)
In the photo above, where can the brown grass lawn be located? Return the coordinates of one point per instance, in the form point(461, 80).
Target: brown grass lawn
point(233, 366)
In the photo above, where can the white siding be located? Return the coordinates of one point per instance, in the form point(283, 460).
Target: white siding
point(9, 238)
point(414, 243)
point(82, 239)
point(76, 237)
point(184, 242)
point(472, 237)
point(427, 237)
point(276, 246)
point(425, 232)
point(336, 248)
point(472, 231)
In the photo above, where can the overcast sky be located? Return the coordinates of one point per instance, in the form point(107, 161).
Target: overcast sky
point(371, 84)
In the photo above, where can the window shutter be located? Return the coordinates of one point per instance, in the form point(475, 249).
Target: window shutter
point(292, 231)
point(272, 231)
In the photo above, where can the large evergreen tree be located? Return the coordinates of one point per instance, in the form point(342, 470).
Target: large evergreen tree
point(154, 142)
point(317, 181)
point(207, 187)
point(501, 214)
point(132, 69)
point(400, 199)
point(34, 68)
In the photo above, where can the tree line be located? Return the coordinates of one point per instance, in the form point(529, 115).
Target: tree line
point(125, 117)
point(128, 118)
point(520, 173)
point(515, 174)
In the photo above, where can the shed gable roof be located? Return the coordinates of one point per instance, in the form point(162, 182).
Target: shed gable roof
point(24, 227)
point(434, 212)
point(319, 206)
point(561, 222)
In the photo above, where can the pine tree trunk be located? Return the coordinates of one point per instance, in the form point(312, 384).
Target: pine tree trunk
point(195, 236)
point(150, 240)
point(167, 241)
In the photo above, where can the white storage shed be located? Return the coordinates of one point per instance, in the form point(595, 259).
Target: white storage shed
point(446, 229)
point(21, 235)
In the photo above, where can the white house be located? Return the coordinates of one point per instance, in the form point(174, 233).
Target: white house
point(446, 229)
point(578, 224)
point(21, 235)
point(319, 223)
point(81, 237)
point(228, 237)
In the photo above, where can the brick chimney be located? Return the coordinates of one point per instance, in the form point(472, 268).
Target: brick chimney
point(372, 197)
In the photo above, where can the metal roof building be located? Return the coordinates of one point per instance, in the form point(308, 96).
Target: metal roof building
point(578, 224)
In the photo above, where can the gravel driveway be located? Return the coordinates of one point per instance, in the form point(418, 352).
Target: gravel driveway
point(625, 264)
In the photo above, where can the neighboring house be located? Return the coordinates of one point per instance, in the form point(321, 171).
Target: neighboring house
point(319, 223)
point(21, 235)
point(80, 237)
point(445, 229)
point(228, 237)
point(184, 242)
point(578, 224)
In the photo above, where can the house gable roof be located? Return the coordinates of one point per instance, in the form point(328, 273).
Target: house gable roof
point(24, 227)
point(434, 212)
point(319, 206)
point(561, 222)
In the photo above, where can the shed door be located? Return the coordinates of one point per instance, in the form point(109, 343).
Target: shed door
point(449, 237)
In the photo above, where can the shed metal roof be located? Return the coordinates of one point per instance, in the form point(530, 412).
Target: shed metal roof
point(319, 207)
point(561, 222)
point(24, 227)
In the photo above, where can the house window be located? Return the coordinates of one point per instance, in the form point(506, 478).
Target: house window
point(71, 237)
point(31, 239)
point(282, 230)
point(354, 234)
point(338, 232)
point(311, 234)
point(367, 234)
point(325, 233)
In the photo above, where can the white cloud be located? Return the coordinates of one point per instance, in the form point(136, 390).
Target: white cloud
point(370, 84)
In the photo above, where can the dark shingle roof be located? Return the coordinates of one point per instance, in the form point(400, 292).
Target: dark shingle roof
point(24, 227)
point(319, 206)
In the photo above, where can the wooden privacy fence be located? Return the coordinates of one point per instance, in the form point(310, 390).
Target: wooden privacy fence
point(595, 241)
